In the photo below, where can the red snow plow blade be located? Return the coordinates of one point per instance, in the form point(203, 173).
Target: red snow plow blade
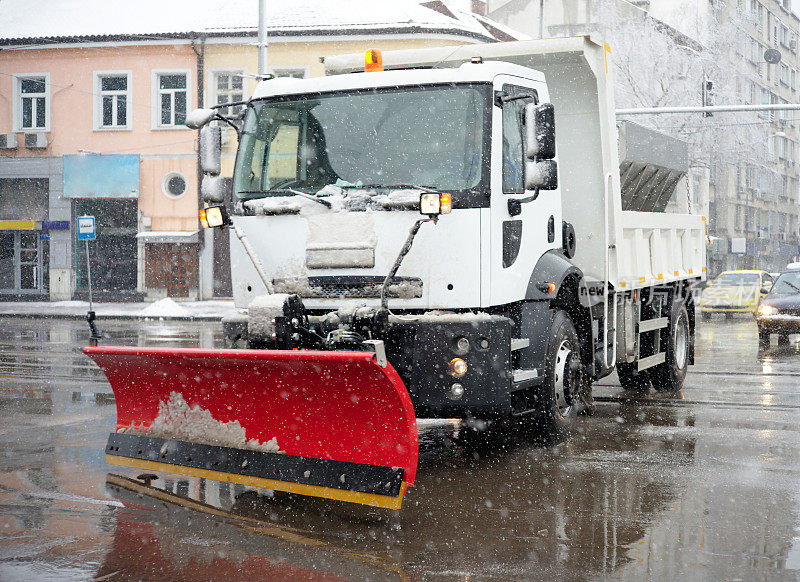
point(346, 425)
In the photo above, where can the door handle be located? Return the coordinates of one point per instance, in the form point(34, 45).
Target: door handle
point(515, 204)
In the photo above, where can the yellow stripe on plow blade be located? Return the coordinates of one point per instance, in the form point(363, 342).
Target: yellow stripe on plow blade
point(371, 499)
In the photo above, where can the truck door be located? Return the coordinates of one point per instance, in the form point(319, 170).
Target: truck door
point(522, 229)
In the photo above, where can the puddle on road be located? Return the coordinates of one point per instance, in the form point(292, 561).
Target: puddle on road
point(660, 486)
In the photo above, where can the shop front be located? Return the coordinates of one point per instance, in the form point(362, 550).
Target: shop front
point(106, 187)
point(24, 239)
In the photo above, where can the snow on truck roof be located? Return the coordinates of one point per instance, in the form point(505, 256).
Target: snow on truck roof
point(466, 73)
point(49, 22)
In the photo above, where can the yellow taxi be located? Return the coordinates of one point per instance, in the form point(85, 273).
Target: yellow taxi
point(735, 292)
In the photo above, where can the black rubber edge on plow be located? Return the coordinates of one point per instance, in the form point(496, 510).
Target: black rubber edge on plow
point(343, 475)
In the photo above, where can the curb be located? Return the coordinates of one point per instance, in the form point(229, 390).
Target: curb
point(115, 316)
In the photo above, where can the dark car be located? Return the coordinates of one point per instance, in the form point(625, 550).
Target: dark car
point(779, 310)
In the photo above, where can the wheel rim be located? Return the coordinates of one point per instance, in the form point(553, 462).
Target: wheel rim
point(681, 342)
point(562, 379)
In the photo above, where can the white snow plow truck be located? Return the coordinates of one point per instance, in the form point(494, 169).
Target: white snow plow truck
point(445, 233)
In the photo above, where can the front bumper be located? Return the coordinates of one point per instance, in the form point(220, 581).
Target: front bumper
point(779, 322)
point(727, 308)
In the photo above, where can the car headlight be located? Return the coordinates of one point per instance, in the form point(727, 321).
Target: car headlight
point(767, 310)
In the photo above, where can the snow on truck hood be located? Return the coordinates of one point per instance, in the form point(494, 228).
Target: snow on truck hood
point(334, 199)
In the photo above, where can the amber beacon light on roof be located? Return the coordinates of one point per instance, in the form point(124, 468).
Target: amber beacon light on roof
point(373, 61)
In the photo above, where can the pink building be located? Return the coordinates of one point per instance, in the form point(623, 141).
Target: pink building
point(97, 129)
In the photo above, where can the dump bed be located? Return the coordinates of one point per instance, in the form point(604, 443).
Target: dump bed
point(632, 248)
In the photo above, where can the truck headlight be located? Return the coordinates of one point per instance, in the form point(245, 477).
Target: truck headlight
point(435, 203)
point(767, 310)
point(214, 217)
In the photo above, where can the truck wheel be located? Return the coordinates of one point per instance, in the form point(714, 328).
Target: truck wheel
point(670, 374)
point(565, 384)
point(763, 337)
point(630, 378)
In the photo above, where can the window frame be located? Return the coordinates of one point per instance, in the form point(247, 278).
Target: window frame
point(516, 106)
point(155, 91)
point(97, 110)
point(17, 102)
point(276, 71)
point(213, 89)
point(165, 184)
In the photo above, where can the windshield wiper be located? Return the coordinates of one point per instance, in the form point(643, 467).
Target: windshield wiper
point(392, 187)
point(793, 286)
point(294, 192)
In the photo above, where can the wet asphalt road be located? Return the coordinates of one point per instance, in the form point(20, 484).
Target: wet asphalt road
point(702, 485)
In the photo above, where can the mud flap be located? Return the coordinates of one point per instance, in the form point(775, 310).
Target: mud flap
point(345, 425)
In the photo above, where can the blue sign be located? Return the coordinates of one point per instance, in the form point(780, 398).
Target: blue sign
point(101, 176)
point(55, 225)
point(86, 228)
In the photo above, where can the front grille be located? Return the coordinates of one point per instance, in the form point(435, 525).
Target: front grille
point(344, 286)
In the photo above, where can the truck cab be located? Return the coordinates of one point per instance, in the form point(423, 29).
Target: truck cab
point(329, 171)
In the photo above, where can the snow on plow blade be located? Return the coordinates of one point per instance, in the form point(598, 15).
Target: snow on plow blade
point(346, 426)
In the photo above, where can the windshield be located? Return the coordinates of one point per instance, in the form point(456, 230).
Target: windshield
point(429, 136)
point(787, 284)
point(731, 279)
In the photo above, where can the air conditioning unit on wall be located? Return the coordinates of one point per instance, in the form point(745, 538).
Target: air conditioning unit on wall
point(36, 141)
point(8, 141)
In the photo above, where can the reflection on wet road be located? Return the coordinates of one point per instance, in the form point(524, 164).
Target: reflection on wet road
point(703, 484)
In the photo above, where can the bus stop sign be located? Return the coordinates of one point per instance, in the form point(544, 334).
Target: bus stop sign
point(86, 228)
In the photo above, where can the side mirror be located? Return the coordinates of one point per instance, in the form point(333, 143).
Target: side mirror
point(212, 189)
point(541, 175)
point(211, 150)
point(764, 290)
point(540, 131)
point(199, 117)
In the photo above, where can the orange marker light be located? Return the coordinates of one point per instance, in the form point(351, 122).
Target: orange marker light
point(551, 287)
point(203, 219)
point(445, 203)
point(373, 61)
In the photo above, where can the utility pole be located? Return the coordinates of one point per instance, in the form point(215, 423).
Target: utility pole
point(541, 18)
point(262, 38)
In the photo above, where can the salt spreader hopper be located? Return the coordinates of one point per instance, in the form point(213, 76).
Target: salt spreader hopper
point(531, 273)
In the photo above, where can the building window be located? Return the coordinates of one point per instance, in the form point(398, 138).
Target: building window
point(172, 98)
point(112, 100)
point(229, 88)
point(293, 72)
point(33, 102)
point(174, 185)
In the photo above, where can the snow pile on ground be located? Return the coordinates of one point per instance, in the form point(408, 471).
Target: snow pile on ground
point(165, 308)
point(177, 420)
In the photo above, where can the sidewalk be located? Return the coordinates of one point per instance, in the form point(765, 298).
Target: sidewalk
point(163, 309)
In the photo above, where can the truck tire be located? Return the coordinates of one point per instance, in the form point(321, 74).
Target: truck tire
point(763, 337)
point(630, 378)
point(565, 380)
point(669, 375)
